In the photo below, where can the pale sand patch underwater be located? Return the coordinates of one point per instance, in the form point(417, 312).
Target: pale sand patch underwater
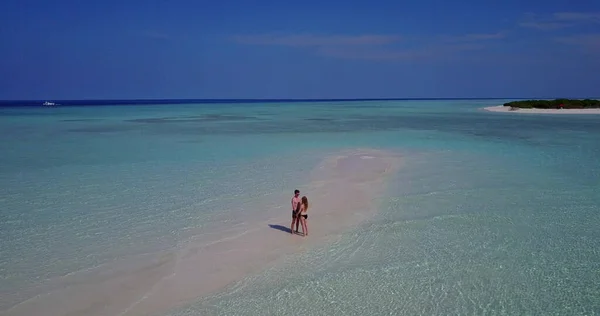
point(502, 108)
point(342, 192)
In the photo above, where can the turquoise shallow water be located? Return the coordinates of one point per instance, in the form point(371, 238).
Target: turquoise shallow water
point(492, 213)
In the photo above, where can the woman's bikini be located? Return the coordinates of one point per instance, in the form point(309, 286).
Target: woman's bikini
point(299, 210)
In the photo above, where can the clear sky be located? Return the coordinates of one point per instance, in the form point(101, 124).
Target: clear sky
point(77, 49)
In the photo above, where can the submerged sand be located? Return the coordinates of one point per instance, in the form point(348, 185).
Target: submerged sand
point(342, 193)
point(502, 108)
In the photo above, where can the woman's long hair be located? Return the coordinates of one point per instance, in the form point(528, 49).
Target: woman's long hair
point(305, 202)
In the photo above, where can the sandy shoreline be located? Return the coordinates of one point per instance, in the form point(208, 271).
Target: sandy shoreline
point(507, 109)
point(342, 192)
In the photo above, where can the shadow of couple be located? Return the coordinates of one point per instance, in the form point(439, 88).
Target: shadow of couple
point(281, 228)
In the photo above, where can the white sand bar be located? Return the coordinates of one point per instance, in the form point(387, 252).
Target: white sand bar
point(342, 193)
point(508, 109)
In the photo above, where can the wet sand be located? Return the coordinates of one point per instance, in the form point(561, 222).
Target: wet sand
point(502, 108)
point(342, 192)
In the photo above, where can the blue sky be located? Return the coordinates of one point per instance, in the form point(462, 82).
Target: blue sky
point(298, 49)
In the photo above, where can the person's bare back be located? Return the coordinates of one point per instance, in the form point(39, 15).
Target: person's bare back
point(303, 216)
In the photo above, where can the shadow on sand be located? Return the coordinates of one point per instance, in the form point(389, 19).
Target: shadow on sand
point(282, 228)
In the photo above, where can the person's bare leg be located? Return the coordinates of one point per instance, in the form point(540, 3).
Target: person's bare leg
point(292, 226)
point(302, 223)
point(298, 223)
point(305, 226)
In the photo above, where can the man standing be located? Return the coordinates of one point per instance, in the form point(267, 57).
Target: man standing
point(295, 204)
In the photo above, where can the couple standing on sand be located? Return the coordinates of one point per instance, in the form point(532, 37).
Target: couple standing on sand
point(299, 212)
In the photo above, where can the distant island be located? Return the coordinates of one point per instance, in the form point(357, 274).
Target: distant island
point(555, 104)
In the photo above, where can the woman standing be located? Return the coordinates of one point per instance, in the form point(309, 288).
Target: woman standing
point(303, 215)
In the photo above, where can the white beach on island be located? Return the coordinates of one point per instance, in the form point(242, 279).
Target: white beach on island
point(342, 192)
point(508, 109)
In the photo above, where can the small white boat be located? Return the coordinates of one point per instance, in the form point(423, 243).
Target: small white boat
point(49, 103)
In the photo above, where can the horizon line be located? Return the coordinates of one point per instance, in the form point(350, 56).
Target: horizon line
point(289, 99)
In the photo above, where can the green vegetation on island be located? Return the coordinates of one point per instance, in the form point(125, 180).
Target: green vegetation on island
point(555, 104)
